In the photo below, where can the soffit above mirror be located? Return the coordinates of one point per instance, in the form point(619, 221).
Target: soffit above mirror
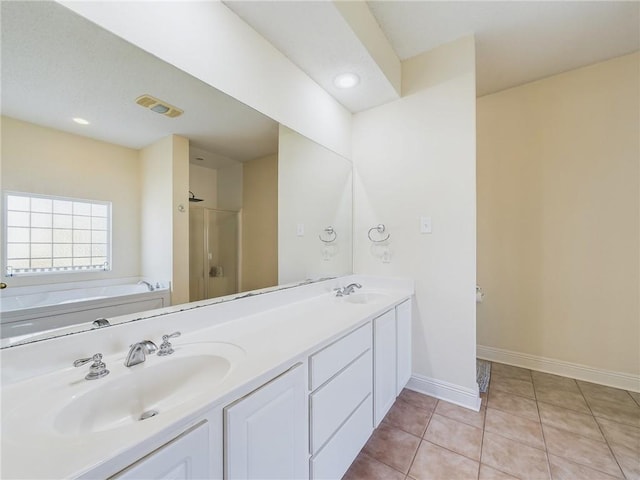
point(63, 66)
point(516, 42)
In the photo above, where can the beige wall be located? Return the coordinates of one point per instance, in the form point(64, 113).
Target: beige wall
point(165, 229)
point(203, 182)
point(259, 223)
point(558, 217)
point(416, 157)
point(42, 160)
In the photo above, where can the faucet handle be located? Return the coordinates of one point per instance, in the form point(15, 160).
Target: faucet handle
point(166, 348)
point(98, 368)
point(100, 322)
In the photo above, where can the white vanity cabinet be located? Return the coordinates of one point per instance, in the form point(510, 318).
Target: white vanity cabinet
point(340, 403)
point(183, 458)
point(392, 357)
point(384, 367)
point(403, 342)
point(266, 432)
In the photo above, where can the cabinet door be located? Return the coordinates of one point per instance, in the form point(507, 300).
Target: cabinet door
point(185, 457)
point(403, 331)
point(267, 433)
point(384, 367)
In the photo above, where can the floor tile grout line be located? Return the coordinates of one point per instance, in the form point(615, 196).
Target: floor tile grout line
point(515, 414)
point(383, 463)
point(484, 423)
point(500, 435)
point(577, 462)
point(602, 432)
point(422, 438)
point(544, 438)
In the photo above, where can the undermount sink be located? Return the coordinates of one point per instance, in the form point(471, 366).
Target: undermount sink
point(128, 396)
point(366, 297)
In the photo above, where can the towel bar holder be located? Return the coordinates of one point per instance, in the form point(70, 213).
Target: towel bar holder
point(332, 235)
point(380, 229)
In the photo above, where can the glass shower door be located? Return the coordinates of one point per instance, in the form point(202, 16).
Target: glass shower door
point(213, 253)
point(222, 253)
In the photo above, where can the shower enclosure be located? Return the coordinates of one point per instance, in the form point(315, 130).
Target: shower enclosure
point(213, 253)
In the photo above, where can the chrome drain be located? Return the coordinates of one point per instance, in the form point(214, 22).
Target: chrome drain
point(148, 414)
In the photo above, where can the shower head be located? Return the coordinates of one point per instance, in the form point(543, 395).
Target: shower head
point(192, 197)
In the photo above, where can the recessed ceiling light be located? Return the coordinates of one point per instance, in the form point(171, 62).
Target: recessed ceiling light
point(81, 121)
point(346, 80)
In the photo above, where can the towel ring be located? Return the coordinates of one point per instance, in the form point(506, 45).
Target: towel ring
point(331, 233)
point(380, 229)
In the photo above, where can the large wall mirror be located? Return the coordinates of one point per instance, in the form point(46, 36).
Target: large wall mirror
point(207, 195)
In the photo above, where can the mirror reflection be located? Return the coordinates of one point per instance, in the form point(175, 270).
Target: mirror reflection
point(208, 198)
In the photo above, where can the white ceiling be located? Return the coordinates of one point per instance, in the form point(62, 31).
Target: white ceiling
point(56, 65)
point(315, 36)
point(517, 42)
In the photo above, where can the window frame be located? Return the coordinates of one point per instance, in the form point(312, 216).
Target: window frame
point(39, 271)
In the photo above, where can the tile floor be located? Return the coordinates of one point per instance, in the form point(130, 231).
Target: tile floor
point(533, 426)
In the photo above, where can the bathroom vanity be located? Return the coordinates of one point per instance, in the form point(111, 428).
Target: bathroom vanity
point(286, 385)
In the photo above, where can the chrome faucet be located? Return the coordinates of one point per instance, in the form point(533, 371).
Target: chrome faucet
point(139, 351)
point(149, 286)
point(98, 368)
point(348, 290)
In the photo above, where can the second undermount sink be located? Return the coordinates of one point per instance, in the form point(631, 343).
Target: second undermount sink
point(366, 297)
point(130, 395)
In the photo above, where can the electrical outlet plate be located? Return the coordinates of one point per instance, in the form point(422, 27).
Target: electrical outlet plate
point(425, 224)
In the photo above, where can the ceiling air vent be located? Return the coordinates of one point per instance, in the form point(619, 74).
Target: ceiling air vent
point(158, 106)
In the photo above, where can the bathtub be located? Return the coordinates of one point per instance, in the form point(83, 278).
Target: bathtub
point(40, 310)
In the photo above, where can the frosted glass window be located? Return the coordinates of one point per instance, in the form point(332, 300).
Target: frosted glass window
point(62, 221)
point(81, 208)
point(98, 223)
point(62, 236)
point(99, 210)
point(63, 206)
point(18, 219)
point(20, 204)
point(62, 250)
point(82, 236)
point(81, 262)
point(99, 237)
point(81, 222)
point(16, 234)
point(41, 262)
point(41, 235)
point(45, 234)
point(44, 205)
point(18, 250)
point(41, 250)
point(41, 220)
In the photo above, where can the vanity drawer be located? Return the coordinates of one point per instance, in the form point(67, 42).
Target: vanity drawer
point(335, 458)
point(329, 361)
point(334, 402)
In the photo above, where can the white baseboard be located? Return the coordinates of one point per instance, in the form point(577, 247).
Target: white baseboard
point(625, 381)
point(465, 397)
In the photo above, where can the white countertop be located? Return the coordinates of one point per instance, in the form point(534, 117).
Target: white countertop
point(270, 339)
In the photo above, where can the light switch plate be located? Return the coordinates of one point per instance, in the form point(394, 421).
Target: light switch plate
point(300, 230)
point(425, 224)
